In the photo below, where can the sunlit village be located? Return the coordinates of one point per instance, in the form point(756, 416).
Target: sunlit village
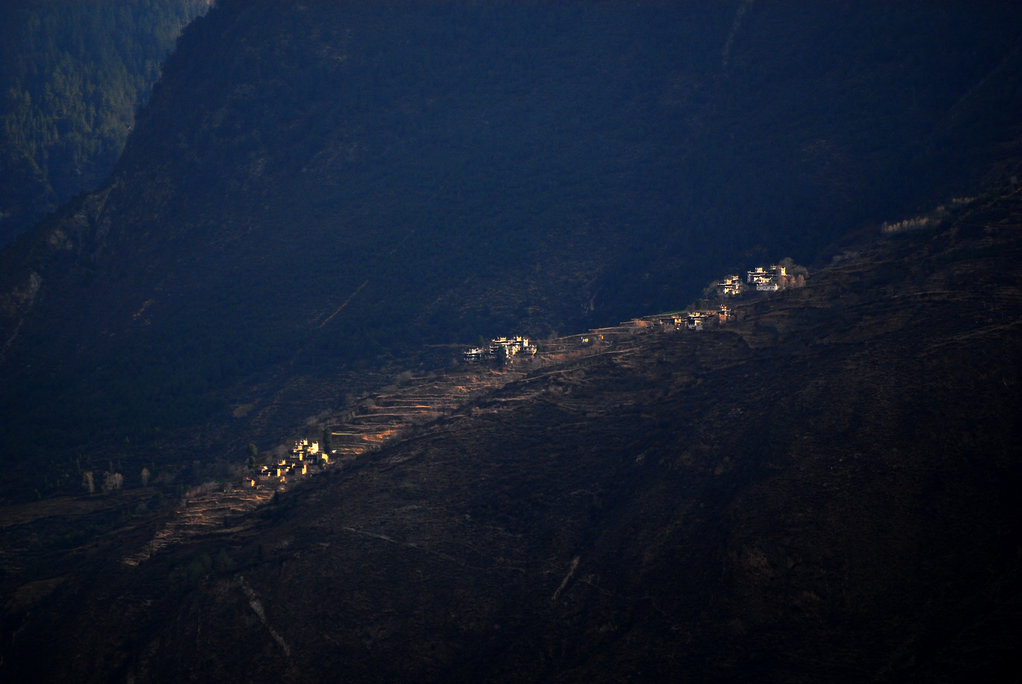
point(389, 413)
point(305, 458)
point(385, 416)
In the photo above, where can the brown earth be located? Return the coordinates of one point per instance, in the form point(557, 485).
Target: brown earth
point(822, 490)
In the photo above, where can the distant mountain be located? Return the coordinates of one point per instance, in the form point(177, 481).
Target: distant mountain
point(316, 191)
point(72, 76)
point(823, 489)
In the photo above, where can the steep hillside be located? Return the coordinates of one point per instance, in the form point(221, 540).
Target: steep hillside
point(72, 76)
point(820, 490)
point(320, 189)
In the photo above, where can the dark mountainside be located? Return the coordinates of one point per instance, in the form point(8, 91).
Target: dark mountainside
point(823, 489)
point(317, 191)
point(72, 75)
point(324, 200)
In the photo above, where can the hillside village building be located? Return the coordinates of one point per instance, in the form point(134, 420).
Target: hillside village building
point(766, 279)
point(512, 346)
point(303, 448)
point(675, 320)
point(303, 456)
point(502, 347)
point(730, 286)
point(696, 320)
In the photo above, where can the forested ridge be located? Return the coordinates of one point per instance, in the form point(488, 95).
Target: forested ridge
point(72, 75)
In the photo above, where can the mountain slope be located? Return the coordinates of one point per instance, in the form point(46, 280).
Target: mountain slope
point(319, 189)
point(823, 489)
point(72, 77)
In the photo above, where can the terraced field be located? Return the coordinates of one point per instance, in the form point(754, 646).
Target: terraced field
point(822, 489)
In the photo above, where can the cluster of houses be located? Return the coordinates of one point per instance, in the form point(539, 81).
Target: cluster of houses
point(759, 279)
point(696, 320)
point(766, 279)
point(502, 348)
point(730, 286)
point(304, 457)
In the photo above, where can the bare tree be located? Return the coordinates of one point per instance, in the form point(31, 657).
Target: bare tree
point(112, 482)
